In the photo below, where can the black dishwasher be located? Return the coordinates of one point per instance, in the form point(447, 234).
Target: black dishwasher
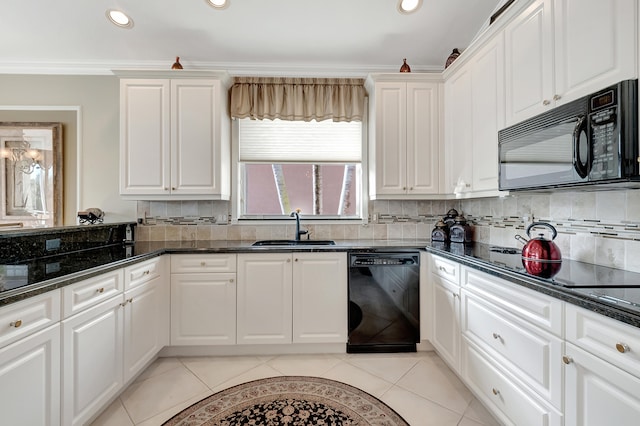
point(384, 301)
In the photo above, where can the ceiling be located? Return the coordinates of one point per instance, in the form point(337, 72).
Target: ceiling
point(282, 37)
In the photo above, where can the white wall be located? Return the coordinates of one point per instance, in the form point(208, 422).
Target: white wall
point(98, 100)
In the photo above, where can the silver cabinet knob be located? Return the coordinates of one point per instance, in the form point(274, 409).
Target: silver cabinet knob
point(495, 391)
point(557, 97)
point(203, 264)
point(546, 102)
point(622, 347)
point(100, 290)
point(567, 359)
point(497, 336)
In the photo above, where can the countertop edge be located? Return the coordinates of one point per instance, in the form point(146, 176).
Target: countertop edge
point(172, 247)
point(558, 292)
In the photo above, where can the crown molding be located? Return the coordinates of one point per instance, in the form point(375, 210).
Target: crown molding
point(232, 68)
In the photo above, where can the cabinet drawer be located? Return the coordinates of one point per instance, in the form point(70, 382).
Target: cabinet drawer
point(90, 292)
point(203, 263)
point(611, 340)
point(143, 272)
point(28, 316)
point(528, 352)
point(531, 306)
point(511, 402)
point(445, 268)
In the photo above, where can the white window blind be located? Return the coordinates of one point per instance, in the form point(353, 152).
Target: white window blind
point(300, 141)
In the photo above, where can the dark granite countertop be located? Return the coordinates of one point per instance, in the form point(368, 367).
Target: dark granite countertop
point(21, 279)
point(611, 292)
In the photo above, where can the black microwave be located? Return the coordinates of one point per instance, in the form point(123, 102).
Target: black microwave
point(592, 140)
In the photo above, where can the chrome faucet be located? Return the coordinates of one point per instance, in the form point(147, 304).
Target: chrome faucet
point(296, 214)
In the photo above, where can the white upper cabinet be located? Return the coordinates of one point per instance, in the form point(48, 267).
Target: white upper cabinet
point(174, 136)
point(529, 67)
point(404, 135)
point(595, 45)
point(474, 112)
point(560, 50)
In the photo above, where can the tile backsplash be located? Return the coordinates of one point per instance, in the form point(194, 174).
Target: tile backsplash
point(601, 227)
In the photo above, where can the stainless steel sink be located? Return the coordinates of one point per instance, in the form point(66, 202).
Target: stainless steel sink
point(294, 243)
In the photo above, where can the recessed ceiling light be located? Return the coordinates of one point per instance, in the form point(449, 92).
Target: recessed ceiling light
point(408, 6)
point(119, 18)
point(218, 4)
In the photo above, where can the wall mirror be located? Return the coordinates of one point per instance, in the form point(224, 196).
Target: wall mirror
point(30, 174)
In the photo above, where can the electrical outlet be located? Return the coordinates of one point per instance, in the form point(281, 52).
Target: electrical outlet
point(53, 244)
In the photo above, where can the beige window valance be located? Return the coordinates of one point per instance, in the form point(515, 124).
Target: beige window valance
point(298, 99)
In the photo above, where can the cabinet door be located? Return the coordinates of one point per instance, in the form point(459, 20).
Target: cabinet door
point(390, 138)
point(30, 380)
point(320, 298)
point(264, 298)
point(597, 393)
point(423, 154)
point(144, 137)
point(529, 62)
point(487, 111)
point(203, 309)
point(446, 321)
point(92, 355)
point(144, 325)
point(458, 119)
point(195, 156)
point(594, 45)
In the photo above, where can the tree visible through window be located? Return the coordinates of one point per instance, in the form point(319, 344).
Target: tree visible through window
point(312, 166)
point(316, 189)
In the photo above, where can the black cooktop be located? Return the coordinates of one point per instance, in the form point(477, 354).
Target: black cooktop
point(26, 272)
point(573, 274)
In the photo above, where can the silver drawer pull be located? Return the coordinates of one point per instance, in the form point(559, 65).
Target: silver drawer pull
point(546, 102)
point(16, 324)
point(557, 97)
point(231, 280)
point(100, 290)
point(567, 359)
point(495, 391)
point(147, 272)
point(622, 348)
point(497, 336)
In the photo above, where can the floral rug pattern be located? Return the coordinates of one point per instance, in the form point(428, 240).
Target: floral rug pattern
point(289, 401)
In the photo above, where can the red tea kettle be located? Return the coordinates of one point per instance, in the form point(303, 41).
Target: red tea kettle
point(541, 257)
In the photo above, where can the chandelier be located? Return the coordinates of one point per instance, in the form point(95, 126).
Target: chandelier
point(22, 157)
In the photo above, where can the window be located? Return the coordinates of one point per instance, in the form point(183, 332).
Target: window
point(288, 165)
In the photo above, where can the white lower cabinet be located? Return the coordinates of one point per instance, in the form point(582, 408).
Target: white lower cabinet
point(265, 295)
point(203, 299)
point(601, 370)
point(597, 393)
point(145, 326)
point(320, 298)
point(292, 297)
point(446, 312)
point(92, 360)
point(510, 400)
point(203, 309)
point(529, 353)
point(105, 345)
point(30, 379)
point(511, 354)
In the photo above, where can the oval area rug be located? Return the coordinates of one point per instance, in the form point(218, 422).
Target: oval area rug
point(289, 401)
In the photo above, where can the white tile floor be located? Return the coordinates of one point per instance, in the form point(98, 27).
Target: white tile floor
point(419, 386)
